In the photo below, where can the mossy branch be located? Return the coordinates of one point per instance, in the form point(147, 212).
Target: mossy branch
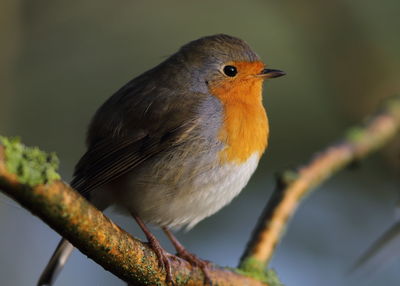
point(293, 185)
point(29, 176)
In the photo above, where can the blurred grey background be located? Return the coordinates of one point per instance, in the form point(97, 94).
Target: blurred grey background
point(59, 60)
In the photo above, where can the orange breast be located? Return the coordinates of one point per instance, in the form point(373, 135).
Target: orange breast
point(245, 128)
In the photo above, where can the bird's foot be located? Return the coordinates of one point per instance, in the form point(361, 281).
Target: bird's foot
point(162, 255)
point(163, 258)
point(196, 262)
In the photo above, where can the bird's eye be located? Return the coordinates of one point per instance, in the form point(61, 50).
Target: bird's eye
point(230, 71)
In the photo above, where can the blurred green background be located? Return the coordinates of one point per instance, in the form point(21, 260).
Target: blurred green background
point(59, 60)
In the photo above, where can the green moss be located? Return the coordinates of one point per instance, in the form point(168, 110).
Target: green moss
point(182, 279)
point(355, 134)
point(30, 164)
point(253, 268)
point(392, 103)
point(289, 176)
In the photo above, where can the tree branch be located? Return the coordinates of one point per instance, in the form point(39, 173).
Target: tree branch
point(28, 176)
point(292, 186)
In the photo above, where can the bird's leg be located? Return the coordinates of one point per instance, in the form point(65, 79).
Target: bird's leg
point(189, 257)
point(157, 248)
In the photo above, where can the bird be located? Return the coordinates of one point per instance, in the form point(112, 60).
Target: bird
point(177, 143)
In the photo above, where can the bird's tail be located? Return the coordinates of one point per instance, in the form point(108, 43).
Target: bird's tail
point(56, 263)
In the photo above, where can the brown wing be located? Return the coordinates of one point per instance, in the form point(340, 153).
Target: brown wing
point(134, 125)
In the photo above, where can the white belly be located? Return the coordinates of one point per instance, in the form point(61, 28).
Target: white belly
point(195, 199)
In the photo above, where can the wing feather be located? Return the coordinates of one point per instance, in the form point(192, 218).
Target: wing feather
point(131, 127)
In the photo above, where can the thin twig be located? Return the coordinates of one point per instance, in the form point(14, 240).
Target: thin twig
point(292, 186)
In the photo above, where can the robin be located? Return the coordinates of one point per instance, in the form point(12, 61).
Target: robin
point(177, 143)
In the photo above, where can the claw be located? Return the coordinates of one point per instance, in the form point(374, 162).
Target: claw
point(190, 257)
point(162, 255)
point(197, 262)
point(163, 259)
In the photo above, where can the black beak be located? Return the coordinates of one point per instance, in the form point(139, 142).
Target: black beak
point(270, 73)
